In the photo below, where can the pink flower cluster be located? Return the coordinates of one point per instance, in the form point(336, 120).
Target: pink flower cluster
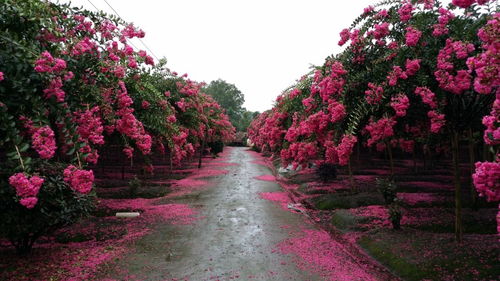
point(492, 122)
point(381, 30)
point(129, 152)
point(26, 188)
point(344, 149)
point(374, 93)
point(437, 121)
point(55, 90)
point(405, 12)
point(332, 84)
point(79, 180)
point(344, 36)
point(487, 64)
point(44, 142)
point(380, 130)
point(48, 64)
point(447, 81)
point(299, 153)
point(90, 126)
point(487, 180)
point(337, 111)
point(412, 36)
point(400, 104)
point(467, 3)
point(445, 16)
point(395, 74)
point(128, 123)
point(412, 67)
point(1, 76)
point(428, 97)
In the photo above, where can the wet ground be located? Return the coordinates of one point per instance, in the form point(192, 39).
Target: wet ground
point(234, 239)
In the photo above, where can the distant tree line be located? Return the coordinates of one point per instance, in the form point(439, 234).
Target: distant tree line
point(231, 99)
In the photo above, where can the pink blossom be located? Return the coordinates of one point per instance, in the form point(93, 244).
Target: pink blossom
point(382, 13)
point(119, 71)
point(395, 74)
point(412, 36)
point(68, 76)
point(308, 103)
point(44, 142)
point(132, 63)
point(437, 121)
point(491, 135)
point(129, 152)
point(487, 180)
point(26, 187)
point(374, 93)
point(48, 64)
point(463, 3)
point(145, 104)
point(1, 76)
point(29, 202)
point(54, 90)
point(171, 118)
point(79, 180)
point(405, 12)
point(368, 10)
point(380, 130)
point(381, 30)
point(344, 149)
point(344, 36)
point(486, 64)
point(427, 96)
point(412, 66)
point(400, 104)
point(90, 126)
point(337, 111)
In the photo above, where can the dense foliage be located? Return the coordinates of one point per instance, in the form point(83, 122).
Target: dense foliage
point(231, 99)
point(414, 76)
point(69, 84)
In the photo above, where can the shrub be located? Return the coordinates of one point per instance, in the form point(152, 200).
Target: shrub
point(388, 189)
point(326, 172)
point(216, 147)
point(58, 205)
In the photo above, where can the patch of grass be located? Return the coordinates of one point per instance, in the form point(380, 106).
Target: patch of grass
point(417, 255)
point(65, 238)
point(147, 191)
point(345, 221)
point(470, 227)
point(347, 201)
point(381, 250)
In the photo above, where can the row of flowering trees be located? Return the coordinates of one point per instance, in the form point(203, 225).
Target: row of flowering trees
point(69, 84)
point(414, 75)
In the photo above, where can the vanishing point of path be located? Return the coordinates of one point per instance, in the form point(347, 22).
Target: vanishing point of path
point(235, 238)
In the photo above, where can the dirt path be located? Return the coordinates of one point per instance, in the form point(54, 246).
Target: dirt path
point(235, 239)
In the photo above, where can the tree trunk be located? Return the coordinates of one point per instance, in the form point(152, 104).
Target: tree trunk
point(201, 153)
point(472, 167)
point(351, 178)
point(415, 160)
point(458, 188)
point(391, 160)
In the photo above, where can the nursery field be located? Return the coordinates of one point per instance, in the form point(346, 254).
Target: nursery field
point(381, 163)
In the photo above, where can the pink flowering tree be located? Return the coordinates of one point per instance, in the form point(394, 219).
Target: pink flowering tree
point(70, 84)
point(414, 74)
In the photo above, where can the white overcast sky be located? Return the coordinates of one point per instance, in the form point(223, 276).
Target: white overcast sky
point(261, 46)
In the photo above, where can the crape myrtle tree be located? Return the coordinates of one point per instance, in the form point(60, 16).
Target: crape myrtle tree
point(70, 83)
point(414, 75)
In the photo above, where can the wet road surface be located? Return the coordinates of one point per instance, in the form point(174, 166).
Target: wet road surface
point(234, 239)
